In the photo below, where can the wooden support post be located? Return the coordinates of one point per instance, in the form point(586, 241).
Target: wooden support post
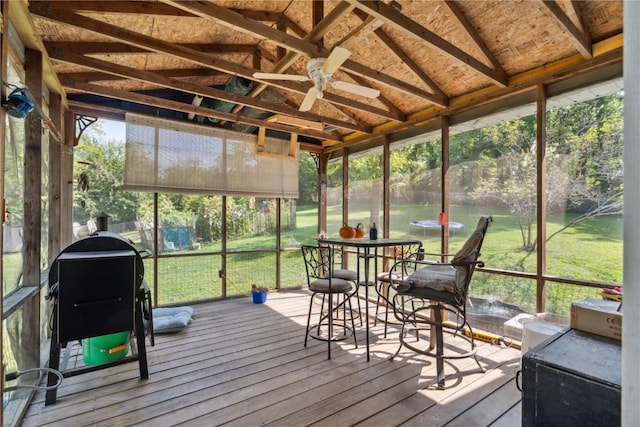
point(32, 241)
point(541, 182)
point(56, 180)
point(261, 136)
point(292, 144)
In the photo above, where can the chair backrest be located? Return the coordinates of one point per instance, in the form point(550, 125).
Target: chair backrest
point(408, 252)
point(339, 256)
point(318, 261)
point(466, 259)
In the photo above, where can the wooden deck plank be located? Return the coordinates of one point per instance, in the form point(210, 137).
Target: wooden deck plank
point(513, 417)
point(485, 411)
point(425, 400)
point(244, 364)
point(479, 387)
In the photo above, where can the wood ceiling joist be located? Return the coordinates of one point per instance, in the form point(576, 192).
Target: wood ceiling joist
point(160, 9)
point(606, 53)
point(403, 23)
point(274, 17)
point(88, 48)
point(189, 108)
point(238, 22)
point(403, 57)
point(369, 25)
point(126, 7)
point(221, 78)
point(322, 27)
point(316, 34)
point(463, 23)
point(574, 12)
point(172, 83)
point(577, 36)
point(44, 10)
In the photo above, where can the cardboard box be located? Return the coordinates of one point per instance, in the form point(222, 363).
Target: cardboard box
point(597, 316)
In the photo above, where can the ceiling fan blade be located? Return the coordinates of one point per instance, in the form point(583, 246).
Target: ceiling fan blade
point(309, 99)
point(337, 57)
point(357, 89)
point(276, 76)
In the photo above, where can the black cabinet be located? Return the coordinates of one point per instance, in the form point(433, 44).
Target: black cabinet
point(572, 379)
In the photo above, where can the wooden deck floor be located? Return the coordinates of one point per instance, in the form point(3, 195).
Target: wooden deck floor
point(244, 364)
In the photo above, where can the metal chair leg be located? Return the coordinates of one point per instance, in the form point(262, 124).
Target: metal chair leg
point(439, 348)
point(306, 335)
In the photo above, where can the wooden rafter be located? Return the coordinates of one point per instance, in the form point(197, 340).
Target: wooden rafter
point(313, 36)
point(577, 35)
point(463, 23)
point(115, 6)
point(218, 77)
point(396, 50)
point(48, 11)
point(238, 22)
point(574, 12)
point(86, 48)
point(157, 102)
point(405, 24)
point(172, 83)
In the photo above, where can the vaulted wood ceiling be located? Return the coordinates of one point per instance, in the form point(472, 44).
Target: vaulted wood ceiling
point(427, 58)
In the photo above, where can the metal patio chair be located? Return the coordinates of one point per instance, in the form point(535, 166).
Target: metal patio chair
point(441, 289)
point(319, 267)
point(383, 279)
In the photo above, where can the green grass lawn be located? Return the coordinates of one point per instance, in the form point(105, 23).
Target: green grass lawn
point(590, 250)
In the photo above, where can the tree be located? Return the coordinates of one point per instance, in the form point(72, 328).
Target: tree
point(102, 163)
point(584, 164)
point(307, 179)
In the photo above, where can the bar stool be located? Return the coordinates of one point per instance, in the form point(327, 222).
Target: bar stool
point(319, 267)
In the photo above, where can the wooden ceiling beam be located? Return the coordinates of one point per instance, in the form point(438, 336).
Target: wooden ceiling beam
point(318, 31)
point(189, 108)
point(220, 78)
point(606, 53)
point(125, 7)
point(577, 36)
point(205, 91)
point(396, 50)
point(238, 22)
point(465, 26)
point(574, 12)
point(48, 11)
point(84, 48)
point(403, 23)
point(350, 41)
point(161, 9)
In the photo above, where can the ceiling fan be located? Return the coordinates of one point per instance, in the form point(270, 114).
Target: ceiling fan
point(320, 71)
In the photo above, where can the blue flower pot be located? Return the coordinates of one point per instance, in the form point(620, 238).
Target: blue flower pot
point(259, 297)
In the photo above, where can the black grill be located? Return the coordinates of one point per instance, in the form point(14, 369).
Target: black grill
point(97, 288)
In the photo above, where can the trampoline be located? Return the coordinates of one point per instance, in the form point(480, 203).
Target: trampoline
point(432, 224)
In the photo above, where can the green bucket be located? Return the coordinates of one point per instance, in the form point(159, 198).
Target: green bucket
point(105, 349)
